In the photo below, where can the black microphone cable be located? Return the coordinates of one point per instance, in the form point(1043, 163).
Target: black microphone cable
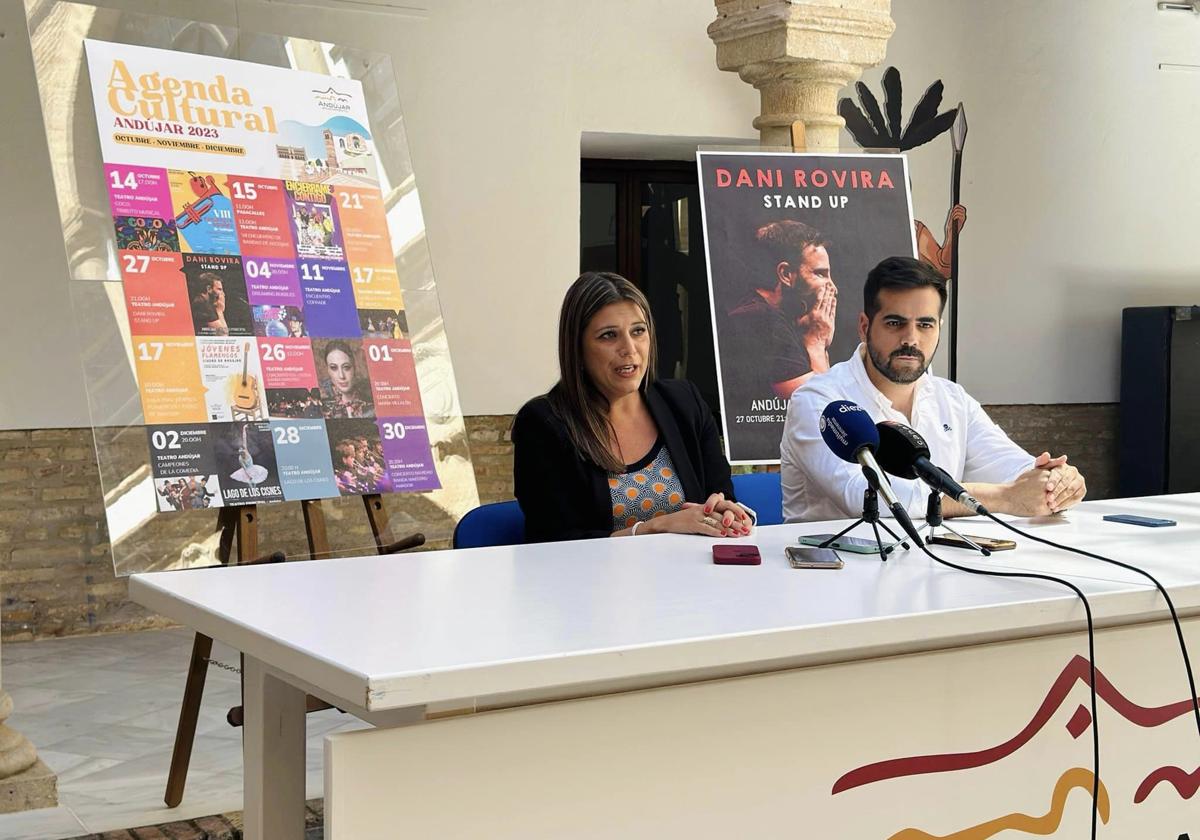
point(1091, 636)
point(1187, 662)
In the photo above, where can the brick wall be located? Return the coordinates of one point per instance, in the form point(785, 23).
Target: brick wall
point(56, 568)
point(491, 454)
point(1086, 433)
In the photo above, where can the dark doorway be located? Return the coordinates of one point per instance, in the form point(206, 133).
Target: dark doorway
point(641, 219)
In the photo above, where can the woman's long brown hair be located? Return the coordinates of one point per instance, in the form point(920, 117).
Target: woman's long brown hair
point(576, 399)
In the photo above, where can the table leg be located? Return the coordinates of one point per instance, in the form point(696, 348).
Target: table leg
point(273, 749)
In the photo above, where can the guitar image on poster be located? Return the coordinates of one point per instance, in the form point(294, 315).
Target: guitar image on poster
point(232, 376)
point(244, 394)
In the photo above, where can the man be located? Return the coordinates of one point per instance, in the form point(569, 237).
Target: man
point(900, 327)
point(779, 334)
point(208, 307)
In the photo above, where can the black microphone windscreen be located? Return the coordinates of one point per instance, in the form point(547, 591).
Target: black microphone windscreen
point(899, 447)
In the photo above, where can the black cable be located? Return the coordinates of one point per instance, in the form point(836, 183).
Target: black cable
point(1091, 634)
point(1187, 662)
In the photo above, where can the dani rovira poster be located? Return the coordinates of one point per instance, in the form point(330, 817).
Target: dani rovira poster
point(269, 334)
point(790, 238)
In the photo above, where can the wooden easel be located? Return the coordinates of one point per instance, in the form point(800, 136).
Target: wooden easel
point(241, 523)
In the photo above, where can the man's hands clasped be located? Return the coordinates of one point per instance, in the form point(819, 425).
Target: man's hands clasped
point(1050, 486)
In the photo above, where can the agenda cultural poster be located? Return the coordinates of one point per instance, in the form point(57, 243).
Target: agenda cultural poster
point(790, 238)
point(269, 334)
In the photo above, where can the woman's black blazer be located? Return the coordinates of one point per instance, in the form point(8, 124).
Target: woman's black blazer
point(565, 496)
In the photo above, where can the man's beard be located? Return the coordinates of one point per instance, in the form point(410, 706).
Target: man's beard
point(883, 364)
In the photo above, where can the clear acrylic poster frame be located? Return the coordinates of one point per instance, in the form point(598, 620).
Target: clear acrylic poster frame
point(143, 539)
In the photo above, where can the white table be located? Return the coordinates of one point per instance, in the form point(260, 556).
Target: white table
point(639, 690)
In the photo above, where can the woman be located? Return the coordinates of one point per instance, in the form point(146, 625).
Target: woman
point(344, 393)
point(609, 451)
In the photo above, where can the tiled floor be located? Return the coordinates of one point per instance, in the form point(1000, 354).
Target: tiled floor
point(102, 712)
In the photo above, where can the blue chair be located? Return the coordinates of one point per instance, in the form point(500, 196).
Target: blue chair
point(500, 523)
point(762, 492)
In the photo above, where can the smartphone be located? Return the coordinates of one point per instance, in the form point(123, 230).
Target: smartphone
point(736, 555)
point(990, 543)
point(858, 545)
point(1130, 519)
point(805, 557)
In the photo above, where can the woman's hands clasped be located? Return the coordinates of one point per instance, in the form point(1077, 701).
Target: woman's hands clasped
point(717, 517)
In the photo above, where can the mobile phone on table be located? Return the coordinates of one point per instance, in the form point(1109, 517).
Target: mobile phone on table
point(1147, 521)
point(858, 545)
point(736, 555)
point(807, 557)
point(955, 541)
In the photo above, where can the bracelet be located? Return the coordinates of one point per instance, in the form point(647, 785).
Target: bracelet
point(633, 530)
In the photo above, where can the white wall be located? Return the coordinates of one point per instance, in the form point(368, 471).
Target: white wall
point(1081, 172)
point(1081, 177)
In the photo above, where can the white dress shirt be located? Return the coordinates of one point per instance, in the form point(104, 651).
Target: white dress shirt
point(963, 440)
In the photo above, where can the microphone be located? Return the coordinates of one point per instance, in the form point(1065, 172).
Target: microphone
point(905, 454)
point(848, 431)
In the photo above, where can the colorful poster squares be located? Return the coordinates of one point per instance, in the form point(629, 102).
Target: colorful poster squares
point(302, 452)
point(407, 455)
point(279, 322)
point(359, 465)
point(217, 293)
point(139, 191)
point(316, 230)
point(393, 377)
point(288, 363)
point(156, 295)
point(260, 212)
point(168, 374)
point(383, 323)
point(183, 466)
point(376, 287)
point(344, 378)
point(244, 455)
point(145, 233)
point(232, 379)
point(271, 282)
point(364, 226)
point(328, 299)
point(270, 338)
point(203, 213)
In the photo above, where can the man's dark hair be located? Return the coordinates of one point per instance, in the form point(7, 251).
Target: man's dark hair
point(901, 273)
point(783, 241)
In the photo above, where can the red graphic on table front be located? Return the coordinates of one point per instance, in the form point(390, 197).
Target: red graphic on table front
point(1077, 670)
point(1185, 784)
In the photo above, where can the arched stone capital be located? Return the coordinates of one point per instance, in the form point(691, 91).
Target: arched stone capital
point(799, 54)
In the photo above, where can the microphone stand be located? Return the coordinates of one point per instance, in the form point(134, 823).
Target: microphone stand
point(933, 521)
point(870, 515)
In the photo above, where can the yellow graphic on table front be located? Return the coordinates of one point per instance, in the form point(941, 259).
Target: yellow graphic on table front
point(1076, 777)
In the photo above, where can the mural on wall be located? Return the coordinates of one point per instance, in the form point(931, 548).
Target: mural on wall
point(876, 128)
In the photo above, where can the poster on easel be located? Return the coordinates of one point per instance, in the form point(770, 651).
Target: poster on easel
point(268, 330)
point(790, 238)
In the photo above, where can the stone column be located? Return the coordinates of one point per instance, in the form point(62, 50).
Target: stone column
point(799, 54)
point(25, 782)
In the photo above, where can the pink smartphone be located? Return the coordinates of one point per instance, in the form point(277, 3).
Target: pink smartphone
point(736, 555)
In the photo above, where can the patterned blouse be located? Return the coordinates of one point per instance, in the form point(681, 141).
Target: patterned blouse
point(645, 490)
